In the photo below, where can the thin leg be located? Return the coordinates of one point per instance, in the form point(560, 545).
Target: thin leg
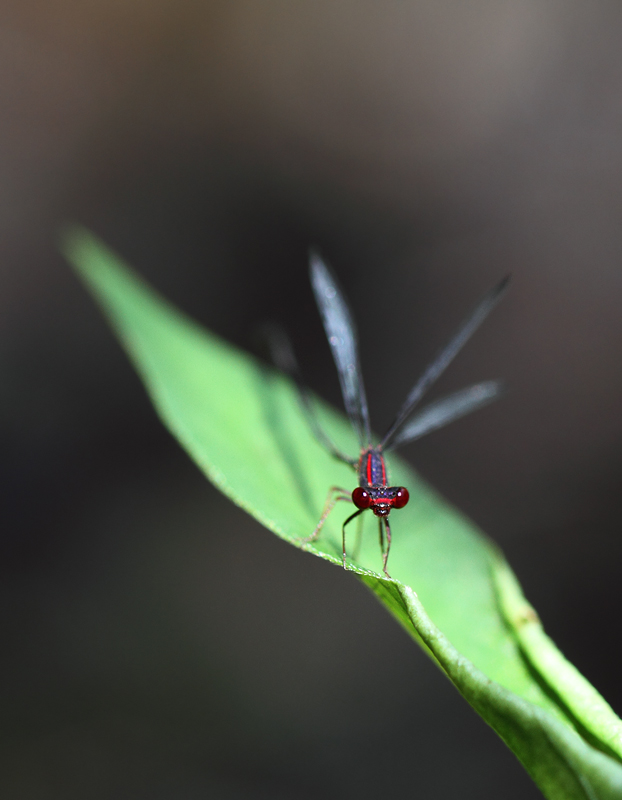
point(335, 495)
point(359, 538)
point(385, 555)
point(343, 533)
point(381, 536)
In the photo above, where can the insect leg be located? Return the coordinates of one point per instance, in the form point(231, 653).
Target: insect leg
point(359, 538)
point(381, 536)
point(343, 532)
point(385, 554)
point(335, 494)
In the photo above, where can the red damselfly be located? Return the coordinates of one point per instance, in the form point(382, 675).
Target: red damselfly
point(374, 491)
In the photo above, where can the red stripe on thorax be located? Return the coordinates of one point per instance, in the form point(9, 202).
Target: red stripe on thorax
point(369, 469)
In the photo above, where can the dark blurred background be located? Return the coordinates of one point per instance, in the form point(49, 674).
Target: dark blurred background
point(157, 643)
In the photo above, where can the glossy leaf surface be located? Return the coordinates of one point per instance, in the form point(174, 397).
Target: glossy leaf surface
point(451, 589)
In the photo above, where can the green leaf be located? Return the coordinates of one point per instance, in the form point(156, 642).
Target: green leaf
point(451, 588)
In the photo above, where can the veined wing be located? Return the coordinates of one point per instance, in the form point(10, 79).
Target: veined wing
point(447, 409)
point(283, 356)
point(444, 358)
point(341, 333)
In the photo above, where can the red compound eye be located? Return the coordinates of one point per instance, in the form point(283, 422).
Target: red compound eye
point(401, 498)
point(361, 498)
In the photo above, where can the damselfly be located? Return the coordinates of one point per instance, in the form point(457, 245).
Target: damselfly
point(374, 491)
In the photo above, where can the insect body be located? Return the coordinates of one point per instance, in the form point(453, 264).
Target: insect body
point(374, 491)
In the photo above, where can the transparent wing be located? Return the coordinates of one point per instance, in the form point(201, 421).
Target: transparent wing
point(341, 333)
point(444, 358)
point(447, 409)
point(282, 354)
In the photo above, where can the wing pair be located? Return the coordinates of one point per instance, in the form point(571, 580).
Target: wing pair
point(341, 333)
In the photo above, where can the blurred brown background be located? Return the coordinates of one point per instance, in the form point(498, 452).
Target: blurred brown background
point(157, 642)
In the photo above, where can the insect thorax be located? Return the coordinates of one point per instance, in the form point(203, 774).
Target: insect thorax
point(372, 469)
